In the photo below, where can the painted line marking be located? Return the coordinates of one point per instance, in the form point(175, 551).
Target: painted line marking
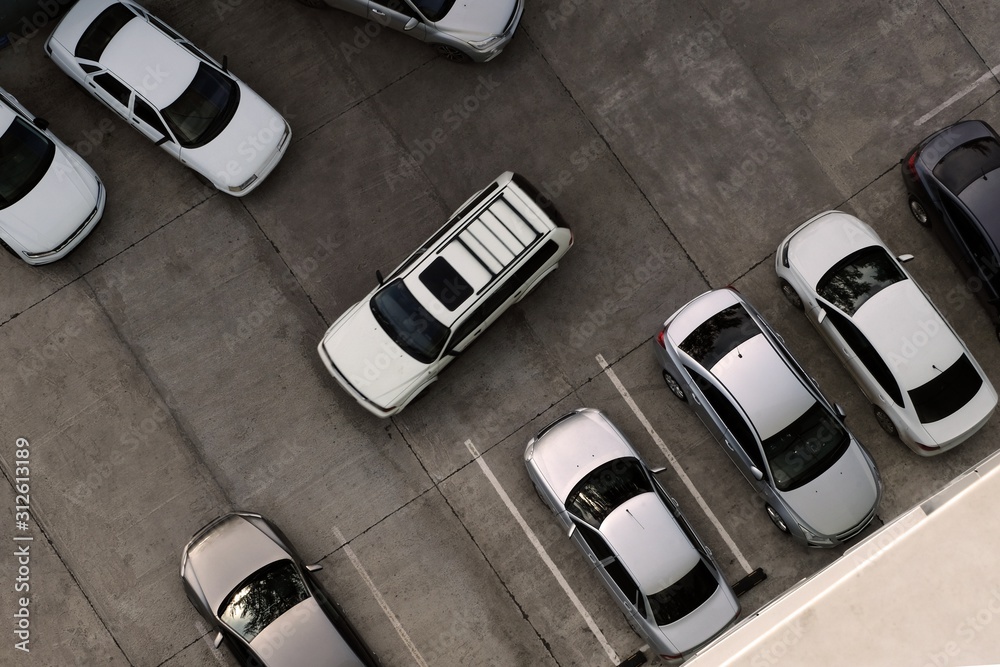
point(675, 464)
point(588, 619)
point(957, 96)
point(419, 659)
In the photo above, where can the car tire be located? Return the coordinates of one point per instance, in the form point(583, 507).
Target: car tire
point(675, 388)
point(791, 296)
point(776, 519)
point(919, 212)
point(452, 54)
point(318, 4)
point(885, 422)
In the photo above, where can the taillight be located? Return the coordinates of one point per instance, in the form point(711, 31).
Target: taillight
point(659, 338)
point(911, 164)
point(667, 656)
point(926, 448)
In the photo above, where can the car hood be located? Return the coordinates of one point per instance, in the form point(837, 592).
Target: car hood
point(227, 555)
point(477, 19)
point(703, 623)
point(840, 498)
point(246, 144)
point(368, 358)
point(966, 420)
point(304, 637)
point(55, 208)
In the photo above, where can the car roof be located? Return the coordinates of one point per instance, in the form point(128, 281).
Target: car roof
point(493, 237)
point(982, 196)
point(151, 63)
point(759, 378)
point(825, 240)
point(574, 446)
point(228, 553)
point(908, 333)
point(302, 636)
point(649, 542)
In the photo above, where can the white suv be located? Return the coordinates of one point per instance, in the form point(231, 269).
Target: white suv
point(495, 249)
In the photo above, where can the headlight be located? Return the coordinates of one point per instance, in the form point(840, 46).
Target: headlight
point(243, 186)
point(486, 43)
point(813, 538)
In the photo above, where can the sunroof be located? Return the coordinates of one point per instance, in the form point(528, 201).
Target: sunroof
point(445, 283)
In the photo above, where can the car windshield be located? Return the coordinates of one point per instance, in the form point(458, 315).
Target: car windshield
point(605, 488)
point(204, 109)
point(947, 392)
point(25, 157)
point(100, 33)
point(801, 451)
point(263, 597)
point(859, 277)
point(408, 323)
point(684, 595)
point(434, 10)
point(719, 335)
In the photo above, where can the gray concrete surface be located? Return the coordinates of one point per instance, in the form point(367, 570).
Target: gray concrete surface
point(166, 371)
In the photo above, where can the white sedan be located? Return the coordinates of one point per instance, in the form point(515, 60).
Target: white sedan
point(50, 198)
point(171, 91)
point(924, 384)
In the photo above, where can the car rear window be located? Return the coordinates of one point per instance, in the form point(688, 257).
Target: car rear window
point(967, 163)
point(859, 277)
point(100, 33)
point(605, 488)
point(719, 335)
point(445, 283)
point(947, 392)
point(263, 597)
point(683, 596)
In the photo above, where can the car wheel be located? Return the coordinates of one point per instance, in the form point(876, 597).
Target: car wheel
point(675, 388)
point(919, 212)
point(313, 3)
point(791, 295)
point(451, 53)
point(776, 519)
point(883, 420)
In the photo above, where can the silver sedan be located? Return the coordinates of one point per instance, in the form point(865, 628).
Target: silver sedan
point(476, 30)
point(632, 532)
point(817, 481)
point(245, 578)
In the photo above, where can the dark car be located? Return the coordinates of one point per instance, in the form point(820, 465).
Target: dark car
point(953, 180)
point(245, 578)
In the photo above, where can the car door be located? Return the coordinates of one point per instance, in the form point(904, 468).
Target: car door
point(978, 259)
point(398, 15)
point(728, 426)
point(145, 119)
point(112, 92)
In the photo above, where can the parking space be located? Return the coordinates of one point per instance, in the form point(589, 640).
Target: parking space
point(166, 371)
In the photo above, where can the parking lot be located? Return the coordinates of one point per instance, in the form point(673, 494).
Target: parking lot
point(166, 371)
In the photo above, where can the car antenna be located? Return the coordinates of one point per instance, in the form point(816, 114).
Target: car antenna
point(936, 368)
point(629, 512)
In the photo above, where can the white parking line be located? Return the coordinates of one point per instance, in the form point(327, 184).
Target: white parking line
point(956, 97)
point(675, 464)
point(419, 659)
point(612, 655)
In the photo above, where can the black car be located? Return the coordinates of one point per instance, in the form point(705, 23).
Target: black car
point(953, 180)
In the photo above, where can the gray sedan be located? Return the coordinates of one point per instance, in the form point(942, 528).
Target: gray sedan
point(476, 30)
point(817, 481)
point(245, 578)
point(632, 532)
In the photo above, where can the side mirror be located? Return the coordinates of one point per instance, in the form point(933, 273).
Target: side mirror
point(378, 275)
point(315, 567)
point(218, 640)
point(657, 471)
point(820, 316)
point(757, 474)
point(840, 411)
point(905, 258)
point(41, 123)
point(572, 529)
point(411, 24)
point(225, 63)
